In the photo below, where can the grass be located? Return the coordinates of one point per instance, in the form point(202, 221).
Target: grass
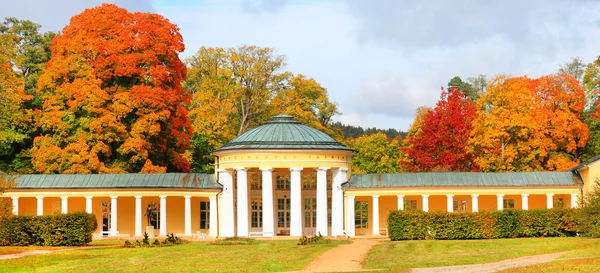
point(6, 250)
point(582, 260)
point(263, 256)
point(415, 254)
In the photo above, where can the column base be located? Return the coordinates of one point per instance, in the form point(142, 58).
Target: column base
point(150, 231)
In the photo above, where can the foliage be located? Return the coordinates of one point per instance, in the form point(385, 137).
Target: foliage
point(24, 51)
point(375, 154)
point(440, 142)
point(232, 241)
point(525, 124)
point(171, 240)
point(72, 229)
point(350, 131)
point(589, 214)
point(420, 225)
point(235, 89)
point(316, 239)
point(6, 183)
point(466, 88)
point(113, 100)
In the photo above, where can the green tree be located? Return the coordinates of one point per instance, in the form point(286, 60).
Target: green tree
point(465, 87)
point(375, 154)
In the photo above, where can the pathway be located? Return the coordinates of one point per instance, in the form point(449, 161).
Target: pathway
point(38, 252)
point(343, 258)
point(495, 266)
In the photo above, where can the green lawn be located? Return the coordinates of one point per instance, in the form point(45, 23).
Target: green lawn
point(263, 256)
point(583, 260)
point(414, 254)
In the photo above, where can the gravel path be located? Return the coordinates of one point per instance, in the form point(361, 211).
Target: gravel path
point(343, 258)
point(38, 252)
point(495, 266)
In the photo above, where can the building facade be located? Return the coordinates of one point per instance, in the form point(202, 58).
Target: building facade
point(286, 179)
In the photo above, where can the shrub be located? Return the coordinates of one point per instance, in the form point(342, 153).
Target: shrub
point(72, 229)
point(589, 215)
point(316, 239)
point(420, 225)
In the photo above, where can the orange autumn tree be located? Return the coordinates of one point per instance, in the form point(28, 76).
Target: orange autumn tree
point(525, 124)
point(113, 100)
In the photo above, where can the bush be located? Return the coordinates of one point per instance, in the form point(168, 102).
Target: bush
point(72, 229)
point(171, 240)
point(419, 225)
point(317, 239)
point(589, 215)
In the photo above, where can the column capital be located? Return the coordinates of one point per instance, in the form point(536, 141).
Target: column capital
point(240, 169)
point(212, 198)
point(296, 169)
point(113, 197)
point(572, 194)
point(400, 195)
point(163, 197)
point(499, 195)
point(425, 195)
point(138, 197)
point(15, 198)
point(187, 197)
point(549, 194)
point(88, 197)
point(449, 195)
point(351, 197)
point(343, 169)
point(266, 169)
point(375, 196)
point(39, 197)
point(64, 197)
point(524, 194)
point(474, 195)
point(223, 170)
point(323, 169)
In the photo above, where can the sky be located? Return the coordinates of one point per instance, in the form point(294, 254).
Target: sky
point(378, 59)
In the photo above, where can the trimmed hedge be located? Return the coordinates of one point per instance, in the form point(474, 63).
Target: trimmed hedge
point(419, 225)
point(72, 229)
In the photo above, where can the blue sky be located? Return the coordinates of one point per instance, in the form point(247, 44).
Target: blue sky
point(379, 59)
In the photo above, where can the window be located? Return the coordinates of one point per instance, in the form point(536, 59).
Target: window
point(310, 212)
point(56, 207)
point(558, 203)
point(329, 211)
point(509, 203)
point(204, 215)
point(309, 181)
point(361, 214)
point(283, 212)
point(410, 204)
point(460, 205)
point(329, 180)
point(155, 216)
point(282, 181)
point(256, 213)
point(105, 211)
point(255, 181)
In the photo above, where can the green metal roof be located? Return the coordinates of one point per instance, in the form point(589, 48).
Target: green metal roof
point(133, 180)
point(283, 132)
point(462, 179)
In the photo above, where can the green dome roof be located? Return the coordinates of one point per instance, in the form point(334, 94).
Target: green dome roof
point(283, 132)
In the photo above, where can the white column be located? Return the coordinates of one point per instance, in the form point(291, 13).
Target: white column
point(188, 215)
point(242, 202)
point(524, 201)
point(337, 201)
point(296, 202)
point(475, 202)
point(163, 216)
point(450, 202)
point(226, 215)
point(350, 209)
point(212, 224)
point(138, 216)
point(400, 202)
point(40, 205)
point(15, 205)
point(64, 204)
point(322, 201)
point(500, 201)
point(88, 204)
point(267, 201)
point(549, 203)
point(425, 202)
point(574, 200)
point(375, 214)
point(113, 215)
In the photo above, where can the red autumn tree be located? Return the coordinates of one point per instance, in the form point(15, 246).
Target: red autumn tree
point(113, 96)
point(441, 141)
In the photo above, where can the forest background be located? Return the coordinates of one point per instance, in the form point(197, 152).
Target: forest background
point(109, 94)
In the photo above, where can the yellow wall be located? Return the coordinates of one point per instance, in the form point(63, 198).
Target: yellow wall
point(283, 159)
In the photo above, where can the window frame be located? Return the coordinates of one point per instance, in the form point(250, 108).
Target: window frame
point(361, 214)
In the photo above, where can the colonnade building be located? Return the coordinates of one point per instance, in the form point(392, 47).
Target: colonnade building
point(286, 179)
